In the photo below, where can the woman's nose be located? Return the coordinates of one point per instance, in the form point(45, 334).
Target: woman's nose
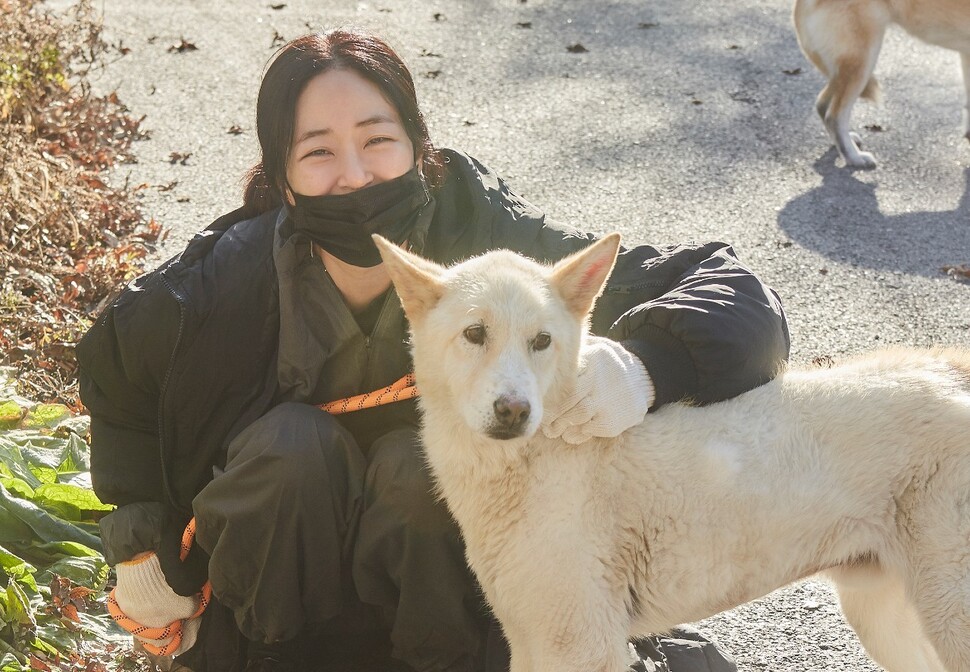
point(354, 174)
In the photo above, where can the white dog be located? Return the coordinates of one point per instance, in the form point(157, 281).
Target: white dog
point(861, 470)
point(842, 39)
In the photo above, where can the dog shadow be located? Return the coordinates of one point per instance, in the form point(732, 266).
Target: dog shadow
point(841, 220)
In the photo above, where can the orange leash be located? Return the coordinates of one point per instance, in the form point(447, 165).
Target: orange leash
point(401, 389)
point(174, 629)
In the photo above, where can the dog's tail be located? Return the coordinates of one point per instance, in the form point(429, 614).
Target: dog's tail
point(872, 91)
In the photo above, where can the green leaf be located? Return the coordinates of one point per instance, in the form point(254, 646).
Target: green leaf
point(9, 663)
point(13, 530)
point(17, 487)
point(15, 463)
point(46, 416)
point(18, 606)
point(18, 568)
point(10, 414)
point(68, 501)
point(44, 474)
point(88, 572)
point(44, 525)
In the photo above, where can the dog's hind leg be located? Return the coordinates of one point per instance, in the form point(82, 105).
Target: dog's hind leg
point(875, 604)
point(843, 40)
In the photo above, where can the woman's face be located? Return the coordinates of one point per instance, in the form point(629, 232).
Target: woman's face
point(347, 136)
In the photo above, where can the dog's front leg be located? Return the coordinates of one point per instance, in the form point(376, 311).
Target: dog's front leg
point(573, 636)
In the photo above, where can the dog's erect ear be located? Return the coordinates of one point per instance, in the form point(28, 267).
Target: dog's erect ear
point(416, 280)
point(580, 277)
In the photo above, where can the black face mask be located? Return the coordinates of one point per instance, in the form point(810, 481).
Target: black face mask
point(342, 224)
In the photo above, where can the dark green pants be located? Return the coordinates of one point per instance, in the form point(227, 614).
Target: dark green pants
point(302, 524)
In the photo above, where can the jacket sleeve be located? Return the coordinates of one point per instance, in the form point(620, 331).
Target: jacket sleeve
point(705, 326)
point(714, 330)
point(122, 361)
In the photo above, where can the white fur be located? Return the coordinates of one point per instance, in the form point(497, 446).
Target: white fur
point(862, 470)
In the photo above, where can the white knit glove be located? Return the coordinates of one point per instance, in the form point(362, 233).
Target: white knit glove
point(613, 392)
point(144, 596)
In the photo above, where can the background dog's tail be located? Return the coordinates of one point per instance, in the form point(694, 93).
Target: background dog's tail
point(872, 91)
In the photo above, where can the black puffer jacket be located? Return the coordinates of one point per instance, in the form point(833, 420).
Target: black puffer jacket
point(185, 358)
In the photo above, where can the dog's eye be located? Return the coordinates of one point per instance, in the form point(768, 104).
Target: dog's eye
point(475, 334)
point(541, 341)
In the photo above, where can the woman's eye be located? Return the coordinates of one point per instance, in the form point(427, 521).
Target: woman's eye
point(319, 152)
point(475, 334)
point(377, 141)
point(541, 341)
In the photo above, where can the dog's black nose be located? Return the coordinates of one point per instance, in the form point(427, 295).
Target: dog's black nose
point(512, 413)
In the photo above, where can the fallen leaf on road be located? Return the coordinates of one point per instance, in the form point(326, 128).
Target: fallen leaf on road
point(182, 46)
point(524, 24)
point(644, 25)
point(179, 157)
point(793, 71)
point(576, 49)
point(235, 129)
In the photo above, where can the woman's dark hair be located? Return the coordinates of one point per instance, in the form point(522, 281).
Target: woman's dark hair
point(291, 69)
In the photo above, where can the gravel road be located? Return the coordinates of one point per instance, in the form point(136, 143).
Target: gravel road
point(670, 121)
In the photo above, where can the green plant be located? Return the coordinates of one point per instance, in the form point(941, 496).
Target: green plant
point(52, 588)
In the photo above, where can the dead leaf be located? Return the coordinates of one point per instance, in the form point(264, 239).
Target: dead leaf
point(644, 25)
point(179, 157)
point(576, 49)
point(793, 71)
point(524, 24)
point(432, 74)
point(278, 6)
point(168, 187)
point(875, 128)
point(429, 54)
point(182, 46)
point(235, 129)
point(438, 16)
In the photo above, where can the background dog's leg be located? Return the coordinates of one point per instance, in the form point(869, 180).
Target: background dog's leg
point(843, 40)
point(874, 603)
point(965, 61)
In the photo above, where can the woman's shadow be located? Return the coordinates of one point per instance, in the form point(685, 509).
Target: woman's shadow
point(840, 219)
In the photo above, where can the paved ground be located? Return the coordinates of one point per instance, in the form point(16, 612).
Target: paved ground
point(681, 120)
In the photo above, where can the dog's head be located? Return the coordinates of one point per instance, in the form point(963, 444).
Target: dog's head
point(498, 336)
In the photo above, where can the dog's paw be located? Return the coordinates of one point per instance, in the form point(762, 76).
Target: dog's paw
point(856, 138)
point(861, 161)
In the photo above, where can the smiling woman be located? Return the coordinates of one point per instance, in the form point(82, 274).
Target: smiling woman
point(204, 378)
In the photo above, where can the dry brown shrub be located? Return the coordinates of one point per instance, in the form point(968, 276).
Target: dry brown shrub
point(68, 240)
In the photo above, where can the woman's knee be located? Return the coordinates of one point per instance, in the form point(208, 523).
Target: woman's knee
point(297, 443)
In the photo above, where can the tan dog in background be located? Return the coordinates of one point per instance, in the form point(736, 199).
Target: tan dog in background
point(842, 39)
point(861, 470)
